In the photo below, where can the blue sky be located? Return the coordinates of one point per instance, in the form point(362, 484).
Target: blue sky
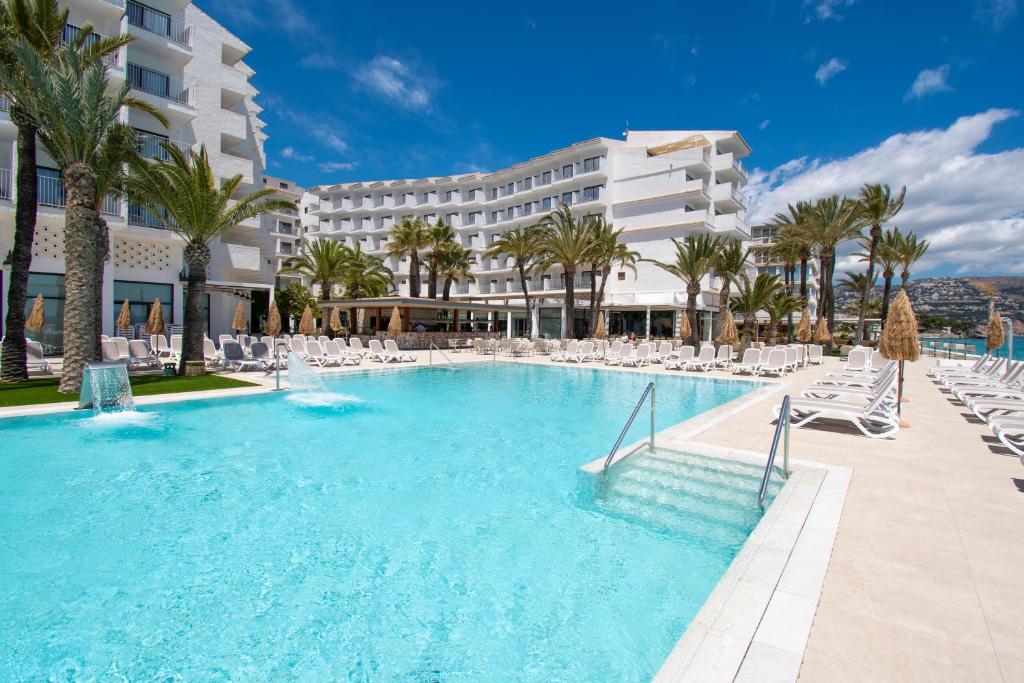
point(358, 90)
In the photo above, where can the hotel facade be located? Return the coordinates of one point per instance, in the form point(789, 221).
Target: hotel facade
point(191, 69)
point(654, 185)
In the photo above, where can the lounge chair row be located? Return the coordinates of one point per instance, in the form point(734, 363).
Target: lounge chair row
point(993, 389)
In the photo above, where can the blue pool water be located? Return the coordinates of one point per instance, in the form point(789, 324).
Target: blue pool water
point(430, 528)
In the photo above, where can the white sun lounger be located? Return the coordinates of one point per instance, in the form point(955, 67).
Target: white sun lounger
point(816, 354)
point(618, 351)
point(356, 344)
point(723, 359)
point(749, 364)
point(776, 364)
point(664, 351)
point(391, 348)
point(337, 353)
point(139, 355)
point(315, 354)
point(943, 370)
point(34, 359)
point(583, 353)
point(683, 356)
point(298, 346)
point(260, 351)
point(873, 419)
point(377, 352)
point(571, 349)
point(234, 358)
point(639, 357)
point(704, 360)
point(1010, 431)
point(110, 352)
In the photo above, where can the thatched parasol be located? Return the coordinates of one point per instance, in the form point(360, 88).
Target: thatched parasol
point(684, 326)
point(37, 318)
point(273, 325)
point(600, 332)
point(306, 322)
point(155, 322)
point(803, 329)
point(899, 340)
point(727, 333)
point(336, 319)
point(994, 337)
point(821, 333)
point(124, 318)
point(395, 324)
point(238, 323)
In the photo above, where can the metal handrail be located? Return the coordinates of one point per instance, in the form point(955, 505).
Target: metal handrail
point(430, 356)
point(618, 442)
point(781, 431)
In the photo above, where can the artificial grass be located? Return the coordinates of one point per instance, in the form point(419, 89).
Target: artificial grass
point(45, 390)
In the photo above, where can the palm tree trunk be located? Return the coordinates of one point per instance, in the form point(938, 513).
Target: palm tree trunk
point(692, 290)
point(102, 256)
point(905, 280)
point(414, 274)
point(197, 256)
point(325, 318)
point(12, 361)
point(570, 304)
point(81, 337)
point(886, 291)
point(862, 313)
point(803, 281)
point(789, 290)
point(830, 302)
point(526, 300)
point(723, 305)
point(447, 288)
point(773, 332)
point(748, 332)
point(432, 276)
point(353, 315)
point(593, 299)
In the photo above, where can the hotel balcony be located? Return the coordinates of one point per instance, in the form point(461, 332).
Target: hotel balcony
point(727, 196)
point(153, 22)
point(729, 168)
point(50, 193)
point(163, 91)
point(731, 224)
point(151, 145)
point(140, 216)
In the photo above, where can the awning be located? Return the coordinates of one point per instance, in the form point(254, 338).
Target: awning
point(413, 302)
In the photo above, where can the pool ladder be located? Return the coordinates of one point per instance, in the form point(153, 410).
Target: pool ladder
point(430, 356)
point(781, 433)
point(650, 390)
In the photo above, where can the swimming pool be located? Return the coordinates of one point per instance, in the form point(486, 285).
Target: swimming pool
point(430, 528)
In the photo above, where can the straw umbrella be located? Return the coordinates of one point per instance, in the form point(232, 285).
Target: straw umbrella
point(306, 322)
point(599, 331)
point(821, 333)
point(395, 324)
point(155, 322)
point(37, 318)
point(899, 340)
point(803, 329)
point(238, 323)
point(273, 325)
point(994, 337)
point(336, 320)
point(684, 327)
point(124, 318)
point(727, 333)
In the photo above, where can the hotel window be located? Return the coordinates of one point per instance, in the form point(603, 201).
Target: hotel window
point(140, 296)
point(510, 189)
point(450, 218)
point(494, 216)
point(494, 193)
point(545, 204)
point(528, 183)
point(590, 194)
point(590, 164)
point(527, 208)
point(510, 213)
point(471, 217)
point(567, 198)
point(567, 171)
point(545, 178)
point(448, 195)
point(429, 217)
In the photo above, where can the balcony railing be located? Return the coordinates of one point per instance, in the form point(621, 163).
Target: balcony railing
point(159, 84)
point(111, 206)
point(70, 33)
point(139, 215)
point(50, 191)
point(150, 145)
point(5, 104)
point(159, 23)
point(5, 183)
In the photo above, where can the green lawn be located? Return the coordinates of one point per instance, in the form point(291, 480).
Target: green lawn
point(45, 390)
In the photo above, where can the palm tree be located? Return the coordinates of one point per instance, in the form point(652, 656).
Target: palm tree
point(887, 257)
point(695, 257)
point(78, 116)
point(409, 238)
point(876, 206)
point(606, 252)
point(40, 25)
point(751, 297)
point(522, 245)
point(566, 241)
point(857, 283)
point(780, 306)
point(830, 222)
point(439, 237)
point(455, 263)
point(184, 190)
point(323, 262)
point(793, 229)
point(910, 250)
point(363, 275)
point(729, 263)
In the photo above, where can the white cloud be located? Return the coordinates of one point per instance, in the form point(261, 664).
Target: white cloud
point(824, 10)
point(397, 82)
point(995, 13)
point(764, 124)
point(319, 60)
point(967, 203)
point(828, 70)
point(290, 153)
point(929, 82)
point(332, 166)
point(691, 80)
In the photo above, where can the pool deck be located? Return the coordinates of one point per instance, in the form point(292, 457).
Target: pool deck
point(924, 580)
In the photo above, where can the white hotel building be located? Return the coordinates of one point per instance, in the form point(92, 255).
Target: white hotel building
point(191, 69)
point(656, 185)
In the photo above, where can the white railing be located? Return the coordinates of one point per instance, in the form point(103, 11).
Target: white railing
point(139, 215)
point(5, 104)
point(70, 33)
point(151, 145)
point(159, 23)
point(159, 84)
point(111, 206)
point(5, 183)
point(50, 192)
